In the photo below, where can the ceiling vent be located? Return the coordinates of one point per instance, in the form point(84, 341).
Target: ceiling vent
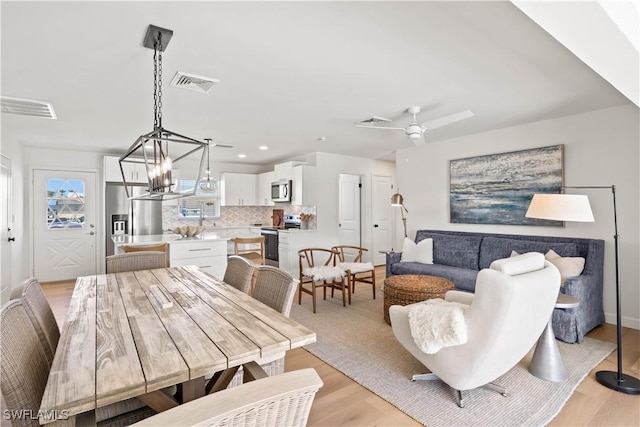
point(193, 82)
point(375, 119)
point(27, 107)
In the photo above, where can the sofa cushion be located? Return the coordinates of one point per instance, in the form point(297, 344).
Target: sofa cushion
point(493, 248)
point(456, 251)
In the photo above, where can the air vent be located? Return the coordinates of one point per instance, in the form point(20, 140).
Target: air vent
point(374, 119)
point(193, 82)
point(27, 107)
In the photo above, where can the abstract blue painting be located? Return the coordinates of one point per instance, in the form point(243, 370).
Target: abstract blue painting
point(497, 189)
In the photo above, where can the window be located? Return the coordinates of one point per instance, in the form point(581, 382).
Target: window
point(65, 203)
point(206, 203)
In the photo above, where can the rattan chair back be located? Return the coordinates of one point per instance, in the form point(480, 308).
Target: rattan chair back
point(275, 288)
point(134, 261)
point(239, 273)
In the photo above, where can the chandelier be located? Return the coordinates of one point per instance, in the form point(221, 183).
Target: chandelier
point(161, 149)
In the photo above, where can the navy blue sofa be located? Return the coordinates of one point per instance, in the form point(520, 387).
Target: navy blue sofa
point(459, 255)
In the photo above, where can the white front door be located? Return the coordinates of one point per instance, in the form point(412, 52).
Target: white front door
point(5, 230)
point(64, 218)
point(349, 209)
point(381, 218)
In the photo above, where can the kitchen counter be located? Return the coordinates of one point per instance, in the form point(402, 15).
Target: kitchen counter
point(125, 239)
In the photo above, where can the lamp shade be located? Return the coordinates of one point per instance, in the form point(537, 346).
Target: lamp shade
point(560, 207)
point(397, 200)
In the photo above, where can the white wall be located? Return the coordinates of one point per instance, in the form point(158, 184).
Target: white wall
point(600, 148)
point(325, 193)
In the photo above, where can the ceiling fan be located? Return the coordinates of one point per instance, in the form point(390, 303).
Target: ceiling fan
point(415, 131)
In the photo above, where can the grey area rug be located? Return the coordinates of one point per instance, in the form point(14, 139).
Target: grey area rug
point(356, 341)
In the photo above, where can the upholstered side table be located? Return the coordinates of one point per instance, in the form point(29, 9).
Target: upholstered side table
point(547, 363)
point(407, 289)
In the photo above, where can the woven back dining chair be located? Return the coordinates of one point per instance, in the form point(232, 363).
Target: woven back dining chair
point(239, 273)
point(25, 366)
point(156, 247)
point(318, 269)
point(134, 261)
point(283, 400)
point(275, 288)
point(40, 313)
point(350, 260)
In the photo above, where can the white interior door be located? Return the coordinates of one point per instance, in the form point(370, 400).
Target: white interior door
point(5, 230)
point(381, 218)
point(349, 209)
point(64, 218)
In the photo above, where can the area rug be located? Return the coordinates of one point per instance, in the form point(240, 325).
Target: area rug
point(356, 341)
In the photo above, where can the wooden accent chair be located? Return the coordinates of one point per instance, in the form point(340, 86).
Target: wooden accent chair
point(157, 247)
point(239, 273)
point(134, 261)
point(350, 260)
point(251, 248)
point(318, 269)
point(283, 400)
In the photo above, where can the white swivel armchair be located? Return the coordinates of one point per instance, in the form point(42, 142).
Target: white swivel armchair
point(513, 302)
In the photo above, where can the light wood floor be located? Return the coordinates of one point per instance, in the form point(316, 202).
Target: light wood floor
point(342, 402)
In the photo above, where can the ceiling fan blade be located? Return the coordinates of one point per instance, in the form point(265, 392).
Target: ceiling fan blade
point(443, 121)
point(214, 145)
point(379, 127)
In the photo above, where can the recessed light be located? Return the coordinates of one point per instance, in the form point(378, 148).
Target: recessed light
point(242, 156)
point(263, 147)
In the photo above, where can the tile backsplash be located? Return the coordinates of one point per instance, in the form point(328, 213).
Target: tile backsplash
point(237, 215)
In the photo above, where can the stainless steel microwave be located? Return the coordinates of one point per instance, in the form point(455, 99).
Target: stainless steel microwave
point(281, 191)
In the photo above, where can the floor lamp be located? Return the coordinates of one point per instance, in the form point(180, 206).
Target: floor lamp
point(398, 200)
point(574, 207)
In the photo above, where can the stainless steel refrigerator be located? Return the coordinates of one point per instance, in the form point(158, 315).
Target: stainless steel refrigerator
point(132, 217)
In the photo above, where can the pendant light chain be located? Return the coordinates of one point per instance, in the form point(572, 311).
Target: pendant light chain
point(157, 83)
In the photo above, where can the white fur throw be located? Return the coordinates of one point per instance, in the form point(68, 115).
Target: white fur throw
point(356, 267)
point(324, 272)
point(436, 323)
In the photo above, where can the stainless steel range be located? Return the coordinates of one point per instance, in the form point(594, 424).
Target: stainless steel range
point(271, 236)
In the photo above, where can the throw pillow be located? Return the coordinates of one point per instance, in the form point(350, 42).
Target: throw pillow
point(514, 253)
point(568, 266)
point(525, 263)
point(417, 252)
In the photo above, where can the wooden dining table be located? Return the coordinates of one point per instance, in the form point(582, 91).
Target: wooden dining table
point(132, 334)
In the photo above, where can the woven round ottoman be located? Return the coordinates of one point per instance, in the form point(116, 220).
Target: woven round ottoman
point(406, 289)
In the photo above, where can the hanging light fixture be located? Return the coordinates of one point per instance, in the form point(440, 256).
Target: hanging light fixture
point(161, 149)
point(208, 184)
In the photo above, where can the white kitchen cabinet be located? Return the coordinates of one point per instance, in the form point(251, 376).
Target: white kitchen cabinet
point(289, 243)
point(264, 188)
point(135, 173)
point(209, 255)
point(238, 189)
point(302, 193)
point(283, 171)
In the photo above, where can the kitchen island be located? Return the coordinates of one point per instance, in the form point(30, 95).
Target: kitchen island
point(208, 250)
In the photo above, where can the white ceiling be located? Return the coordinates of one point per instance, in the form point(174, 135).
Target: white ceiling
point(291, 72)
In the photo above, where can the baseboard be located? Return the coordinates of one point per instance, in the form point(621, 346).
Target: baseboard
point(628, 322)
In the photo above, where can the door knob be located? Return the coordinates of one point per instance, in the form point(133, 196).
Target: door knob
point(91, 233)
point(375, 225)
point(11, 239)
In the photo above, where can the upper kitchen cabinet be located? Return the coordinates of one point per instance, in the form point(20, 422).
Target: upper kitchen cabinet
point(303, 185)
point(264, 188)
point(135, 173)
point(238, 189)
point(283, 171)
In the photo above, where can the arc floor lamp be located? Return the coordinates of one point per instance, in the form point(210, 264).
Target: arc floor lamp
point(575, 207)
point(398, 200)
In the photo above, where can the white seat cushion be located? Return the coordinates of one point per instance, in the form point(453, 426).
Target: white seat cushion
point(356, 267)
point(324, 272)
